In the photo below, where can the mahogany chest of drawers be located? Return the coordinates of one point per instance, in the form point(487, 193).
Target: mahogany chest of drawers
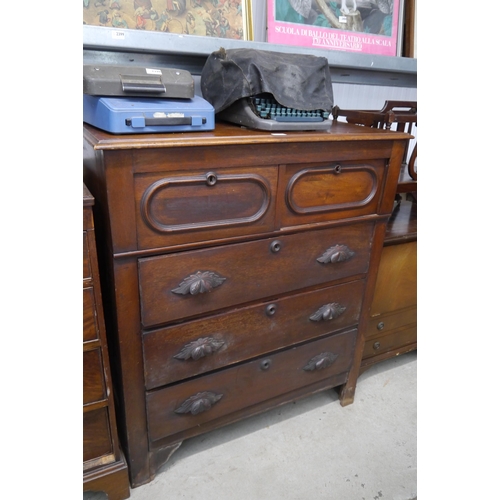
point(104, 467)
point(239, 268)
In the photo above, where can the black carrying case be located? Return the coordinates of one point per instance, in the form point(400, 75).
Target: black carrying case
point(132, 81)
point(299, 81)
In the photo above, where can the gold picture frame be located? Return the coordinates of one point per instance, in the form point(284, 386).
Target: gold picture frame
point(215, 18)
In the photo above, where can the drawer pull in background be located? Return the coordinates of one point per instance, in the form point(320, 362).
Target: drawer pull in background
point(337, 253)
point(199, 403)
point(321, 361)
point(328, 312)
point(201, 282)
point(199, 348)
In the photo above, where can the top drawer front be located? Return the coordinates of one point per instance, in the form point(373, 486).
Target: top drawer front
point(331, 191)
point(180, 207)
point(187, 284)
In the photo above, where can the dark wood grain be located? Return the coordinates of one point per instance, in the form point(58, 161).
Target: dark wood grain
point(104, 467)
point(226, 134)
point(246, 384)
point(235, 269)
point(247, 332)
point(293, 267)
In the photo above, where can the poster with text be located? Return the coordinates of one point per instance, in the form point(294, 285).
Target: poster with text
point(364, 26)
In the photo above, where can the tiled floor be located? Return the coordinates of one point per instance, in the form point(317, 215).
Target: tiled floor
point(312, 449)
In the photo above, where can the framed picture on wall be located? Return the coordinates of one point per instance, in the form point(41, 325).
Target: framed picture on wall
point(215, 18)
point(364, 26)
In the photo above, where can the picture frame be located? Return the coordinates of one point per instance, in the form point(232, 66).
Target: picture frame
point(374, 27)
point(410, 29)
point(214, 18)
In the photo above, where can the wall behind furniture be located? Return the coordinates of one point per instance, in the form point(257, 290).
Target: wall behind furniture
point(359, 82)
point(351, 96)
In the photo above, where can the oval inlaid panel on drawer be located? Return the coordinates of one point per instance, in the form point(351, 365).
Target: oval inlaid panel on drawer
point(182, 207)
point(182, 406)
point(199, 346)
point(185, 284)
point(331, 191)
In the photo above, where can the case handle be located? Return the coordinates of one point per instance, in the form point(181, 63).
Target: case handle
point(146, 84)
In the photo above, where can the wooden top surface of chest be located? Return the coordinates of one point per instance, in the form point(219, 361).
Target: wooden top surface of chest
point(227, 134)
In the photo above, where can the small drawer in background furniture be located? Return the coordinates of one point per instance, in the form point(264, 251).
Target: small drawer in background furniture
point(94, 388)
point(90, 328)
point(96, 435)
point(87, 272)
point(394, 341)
point(379, 325)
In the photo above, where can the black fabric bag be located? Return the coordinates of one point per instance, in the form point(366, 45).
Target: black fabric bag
point(299, 81)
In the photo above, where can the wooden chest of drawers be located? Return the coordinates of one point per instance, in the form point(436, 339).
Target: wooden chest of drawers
point(104, 467)
point(240, 265)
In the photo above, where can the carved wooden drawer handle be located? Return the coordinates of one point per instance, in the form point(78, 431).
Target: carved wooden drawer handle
point(328, 312)
point(198, 403)
point(337, 253)
point(199, 348)
point(200, 282)
point(321, 361)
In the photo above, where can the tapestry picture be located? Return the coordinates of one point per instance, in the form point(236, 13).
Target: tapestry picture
point(215, 18)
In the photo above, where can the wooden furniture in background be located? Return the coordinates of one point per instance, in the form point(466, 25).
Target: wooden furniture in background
point(394, 115)
point(240, 267)
point(393, 314)
point(104, 467)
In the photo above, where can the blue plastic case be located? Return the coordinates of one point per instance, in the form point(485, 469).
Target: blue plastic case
point(141, 115)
